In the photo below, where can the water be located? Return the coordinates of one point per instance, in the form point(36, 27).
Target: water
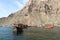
point(6, 33)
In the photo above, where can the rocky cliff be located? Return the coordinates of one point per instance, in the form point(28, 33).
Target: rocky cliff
point(36, 12)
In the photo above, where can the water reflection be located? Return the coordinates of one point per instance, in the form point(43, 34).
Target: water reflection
point(6, 33)
point(18, 37)
point(17, 33)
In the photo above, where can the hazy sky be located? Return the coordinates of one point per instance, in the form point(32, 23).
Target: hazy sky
point(10, 6)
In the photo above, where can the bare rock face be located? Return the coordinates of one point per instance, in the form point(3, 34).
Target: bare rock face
point(36, 13)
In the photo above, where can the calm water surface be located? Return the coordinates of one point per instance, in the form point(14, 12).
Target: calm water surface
point(6, 33)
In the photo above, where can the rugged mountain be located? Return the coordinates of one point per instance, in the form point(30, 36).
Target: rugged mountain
point(36, 12)
point(5, 20)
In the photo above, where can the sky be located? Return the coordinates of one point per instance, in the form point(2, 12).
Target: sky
point(10, 6)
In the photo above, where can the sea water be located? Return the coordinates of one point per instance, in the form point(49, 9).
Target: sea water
point(6, 33)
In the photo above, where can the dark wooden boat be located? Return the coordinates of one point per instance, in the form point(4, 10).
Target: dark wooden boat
point(18, 28)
